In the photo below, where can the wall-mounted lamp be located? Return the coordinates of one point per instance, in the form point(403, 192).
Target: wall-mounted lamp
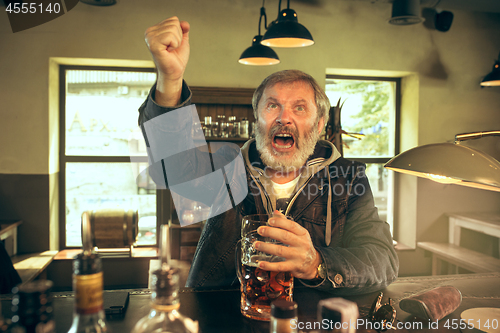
point(258, 54)
point(450, 163)
point(405, 12)
point(286, 31)
point(493, 78)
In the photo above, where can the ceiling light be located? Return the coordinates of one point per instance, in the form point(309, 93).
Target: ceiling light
point(286, 31)
point(258, 54)
point(405, 12)
point(493, 78)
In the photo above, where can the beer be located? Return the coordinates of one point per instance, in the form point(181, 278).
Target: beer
point(259, 288)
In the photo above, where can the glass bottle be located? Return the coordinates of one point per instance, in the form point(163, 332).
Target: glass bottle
point(236, 128)
point(88, 315)
point(208, 126)
point(337, 315)
point(164, 315)
point(215, 129)
point(283, 317)
point(244, 128)
point(230, 126)
point(32, 308)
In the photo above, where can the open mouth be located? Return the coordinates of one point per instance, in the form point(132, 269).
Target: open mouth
point(283, 140)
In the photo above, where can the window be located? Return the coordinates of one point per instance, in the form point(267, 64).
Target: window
point(99, 133)
point(370, 114)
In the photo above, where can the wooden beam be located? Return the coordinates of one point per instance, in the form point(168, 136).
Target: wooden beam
point(213, 95)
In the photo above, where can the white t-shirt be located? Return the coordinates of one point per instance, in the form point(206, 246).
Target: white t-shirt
point(284, 190)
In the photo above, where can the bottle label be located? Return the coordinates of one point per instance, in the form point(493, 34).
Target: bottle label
point(166, 308)
point(88, 293)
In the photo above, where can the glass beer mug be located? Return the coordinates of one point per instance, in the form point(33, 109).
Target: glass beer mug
point(259, 287)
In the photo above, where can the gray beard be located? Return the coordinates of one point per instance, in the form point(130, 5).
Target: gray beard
point(282, 161)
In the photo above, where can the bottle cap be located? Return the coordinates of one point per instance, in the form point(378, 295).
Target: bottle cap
point(283, 309)
point(87, 264)
point(165, 284)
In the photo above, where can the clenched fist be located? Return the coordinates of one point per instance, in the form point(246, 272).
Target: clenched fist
point(168, 42)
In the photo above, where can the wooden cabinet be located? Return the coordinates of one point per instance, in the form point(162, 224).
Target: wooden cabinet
point(184, 240)
point(222, 104)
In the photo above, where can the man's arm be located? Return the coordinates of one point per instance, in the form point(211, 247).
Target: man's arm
point(366, 261)
point(168, 42)
point(170, 125)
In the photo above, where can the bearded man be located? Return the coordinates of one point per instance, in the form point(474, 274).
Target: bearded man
point(321, 203)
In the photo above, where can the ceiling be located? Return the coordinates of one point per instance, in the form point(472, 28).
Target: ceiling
point(489, 6)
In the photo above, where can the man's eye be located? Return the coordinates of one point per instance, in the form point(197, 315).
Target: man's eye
point(273, 106)
point(300, 108)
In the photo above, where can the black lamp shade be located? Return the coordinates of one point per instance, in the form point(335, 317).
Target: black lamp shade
point(405, 12)
point(492, 79)
point(258, 54)
point(287, 32)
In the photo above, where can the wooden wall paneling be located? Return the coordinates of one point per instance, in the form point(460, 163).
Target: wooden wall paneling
point(214, 95)
point(220, 110)
point(228, 110)
point(202, 111)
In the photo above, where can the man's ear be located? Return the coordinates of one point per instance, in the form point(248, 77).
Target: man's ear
point(321, 124)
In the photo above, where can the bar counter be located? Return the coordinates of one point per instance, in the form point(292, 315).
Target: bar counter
point(218, 310)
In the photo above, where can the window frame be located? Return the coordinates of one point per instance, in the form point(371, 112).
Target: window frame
point(397, 120)
point(64, 159)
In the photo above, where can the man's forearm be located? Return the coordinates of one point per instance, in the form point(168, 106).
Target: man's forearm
point(168, 93)
point(151, 108)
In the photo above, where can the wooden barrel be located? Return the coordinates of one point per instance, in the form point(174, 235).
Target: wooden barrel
point(113, 228)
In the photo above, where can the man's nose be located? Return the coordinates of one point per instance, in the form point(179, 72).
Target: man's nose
point(285, 116)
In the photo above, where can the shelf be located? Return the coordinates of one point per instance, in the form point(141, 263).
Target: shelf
point(8, 228)
point(31, 265)
point(116, 253)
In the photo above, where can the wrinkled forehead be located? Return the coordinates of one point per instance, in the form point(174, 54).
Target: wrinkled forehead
point(301, 90)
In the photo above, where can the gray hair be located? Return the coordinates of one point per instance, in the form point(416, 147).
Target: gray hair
point(290, 76)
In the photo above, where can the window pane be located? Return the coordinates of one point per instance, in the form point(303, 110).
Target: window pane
point(101, 110)
point(381, 183)
point(91, 186)
point(368, 109)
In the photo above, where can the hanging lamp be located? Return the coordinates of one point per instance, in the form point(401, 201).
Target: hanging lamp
point(405, 12)
point(493, 78)
point(258, 54)
point(286, 31)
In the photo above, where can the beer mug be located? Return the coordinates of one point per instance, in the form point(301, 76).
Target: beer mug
point(259, 287)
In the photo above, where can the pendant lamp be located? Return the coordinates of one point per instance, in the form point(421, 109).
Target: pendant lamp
point(493, 78)
point(286, 31)
point(258, 54)
point(405, 12)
